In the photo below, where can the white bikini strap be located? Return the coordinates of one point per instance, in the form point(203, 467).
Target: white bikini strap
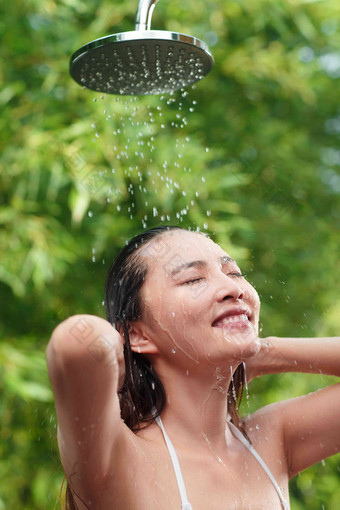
point(179, 477)
point(237, 433)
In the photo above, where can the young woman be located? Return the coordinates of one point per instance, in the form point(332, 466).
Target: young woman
point(147, 402)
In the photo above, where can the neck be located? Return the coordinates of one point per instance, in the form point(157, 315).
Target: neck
point(197, 407)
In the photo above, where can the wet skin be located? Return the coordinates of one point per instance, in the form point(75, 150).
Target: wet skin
point(198, 304)
point(199, 322)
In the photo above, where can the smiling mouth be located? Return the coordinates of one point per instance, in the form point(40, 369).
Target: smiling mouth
point(237, 320)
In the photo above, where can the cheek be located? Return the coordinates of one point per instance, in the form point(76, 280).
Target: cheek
point(169, 308)
point(161, 314)
point(252, 294)
point(174, 326)
point(255, 299)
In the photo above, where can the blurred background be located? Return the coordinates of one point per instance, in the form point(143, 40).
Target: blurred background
point(249, 155)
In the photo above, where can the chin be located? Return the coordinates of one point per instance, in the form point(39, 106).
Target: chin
point(237, 344)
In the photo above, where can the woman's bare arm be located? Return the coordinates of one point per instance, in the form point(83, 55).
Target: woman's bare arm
point(86, 365)
point(308, 355)
point(309, 424)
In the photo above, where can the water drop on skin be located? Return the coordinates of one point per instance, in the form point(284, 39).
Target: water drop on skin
point(173, 351)
point(225, 335)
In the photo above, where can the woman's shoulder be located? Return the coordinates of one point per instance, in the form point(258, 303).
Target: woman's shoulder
point(265, 420)
point(263, 428)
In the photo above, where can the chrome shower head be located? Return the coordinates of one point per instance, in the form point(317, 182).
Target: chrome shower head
point(143, 61)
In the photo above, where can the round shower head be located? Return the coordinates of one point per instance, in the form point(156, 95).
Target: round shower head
point(141, 62)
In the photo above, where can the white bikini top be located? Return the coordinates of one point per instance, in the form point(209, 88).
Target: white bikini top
point(186, 505)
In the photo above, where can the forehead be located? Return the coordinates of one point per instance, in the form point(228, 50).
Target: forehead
point(174, 248)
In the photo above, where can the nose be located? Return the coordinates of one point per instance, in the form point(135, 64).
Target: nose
point(227, 287)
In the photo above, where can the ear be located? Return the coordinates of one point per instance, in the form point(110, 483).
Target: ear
point(140, 339)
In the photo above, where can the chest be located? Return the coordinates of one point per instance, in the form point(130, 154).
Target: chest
point(236, 481)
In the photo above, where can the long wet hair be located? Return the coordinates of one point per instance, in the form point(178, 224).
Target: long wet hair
point(142, 395)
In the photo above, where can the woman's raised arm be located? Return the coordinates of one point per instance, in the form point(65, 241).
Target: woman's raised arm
point(309, 425)
point(308, 355)
point(86, 366)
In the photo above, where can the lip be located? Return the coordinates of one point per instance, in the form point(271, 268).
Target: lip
point(232, 312)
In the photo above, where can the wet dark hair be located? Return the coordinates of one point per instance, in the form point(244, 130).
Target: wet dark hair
point(142, 390)
point(142, 395)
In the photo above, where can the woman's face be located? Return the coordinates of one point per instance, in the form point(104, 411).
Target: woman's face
point(197, 306)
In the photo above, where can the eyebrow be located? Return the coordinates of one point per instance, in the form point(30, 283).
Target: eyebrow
point(199, 263)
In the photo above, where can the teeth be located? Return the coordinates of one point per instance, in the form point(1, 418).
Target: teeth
point(232, 318)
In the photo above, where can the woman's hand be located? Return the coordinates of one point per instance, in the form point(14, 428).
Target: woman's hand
point(254, 365)
point(308, 355)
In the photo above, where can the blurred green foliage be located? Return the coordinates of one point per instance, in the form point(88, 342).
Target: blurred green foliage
point(250, 155)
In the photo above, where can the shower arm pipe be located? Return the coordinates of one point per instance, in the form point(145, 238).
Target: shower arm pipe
point(144, 14)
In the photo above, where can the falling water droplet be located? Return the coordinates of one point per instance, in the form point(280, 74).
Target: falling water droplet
point(246, 383)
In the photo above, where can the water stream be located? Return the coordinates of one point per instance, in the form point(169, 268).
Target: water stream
point(146, 178)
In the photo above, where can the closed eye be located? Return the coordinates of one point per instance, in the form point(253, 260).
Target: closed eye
point(191, 282)
point(237, 274)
